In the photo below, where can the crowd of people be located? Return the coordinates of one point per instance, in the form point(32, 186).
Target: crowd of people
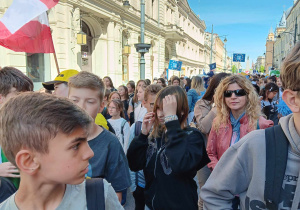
point(205, 142)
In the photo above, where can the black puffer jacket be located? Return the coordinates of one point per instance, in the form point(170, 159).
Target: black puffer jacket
point(169, 166)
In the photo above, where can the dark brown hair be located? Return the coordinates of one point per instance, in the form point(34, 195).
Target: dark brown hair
point(181, 112)
point(175, 78)
point(163, 82)
point(110, 81)
point(126, 92)
point(11, 77)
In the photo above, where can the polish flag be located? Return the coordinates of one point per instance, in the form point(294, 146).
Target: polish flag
point(25, 27)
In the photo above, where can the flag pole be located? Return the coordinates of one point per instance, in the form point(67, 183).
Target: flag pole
point(54, 54)
point(56, 63)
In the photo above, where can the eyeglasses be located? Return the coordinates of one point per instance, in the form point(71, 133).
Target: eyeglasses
point(238, 93)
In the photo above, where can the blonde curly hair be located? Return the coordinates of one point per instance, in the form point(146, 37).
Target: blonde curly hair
point(252, 109)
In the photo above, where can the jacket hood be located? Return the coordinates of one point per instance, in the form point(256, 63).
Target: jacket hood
point(288, 127)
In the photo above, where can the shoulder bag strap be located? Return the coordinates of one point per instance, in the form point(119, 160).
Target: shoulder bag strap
point(95, 194)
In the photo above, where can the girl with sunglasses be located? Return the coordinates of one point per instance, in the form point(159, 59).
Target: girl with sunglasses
point(169, 153)
point(238, 113)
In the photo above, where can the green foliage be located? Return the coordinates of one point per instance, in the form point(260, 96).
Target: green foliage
point(234, 69)
point(262, 69)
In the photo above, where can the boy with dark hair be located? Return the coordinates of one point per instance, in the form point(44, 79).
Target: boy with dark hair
point(87, 91)
point(46, 138)
point(12, 81)
point(271, 79)
point(263, 167)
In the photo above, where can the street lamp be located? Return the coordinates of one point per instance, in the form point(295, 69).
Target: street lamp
point(81, 36)
point(225, 40)
point(212, 41)
point(295, 33)
point(141, 47)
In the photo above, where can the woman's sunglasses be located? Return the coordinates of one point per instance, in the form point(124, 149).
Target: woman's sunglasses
point(238, 93)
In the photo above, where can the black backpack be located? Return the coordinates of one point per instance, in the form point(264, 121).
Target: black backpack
point(276, 160)
point(95, 194)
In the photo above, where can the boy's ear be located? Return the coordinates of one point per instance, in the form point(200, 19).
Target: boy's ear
point(27, 162)
point(292, 100)
point(101, 107)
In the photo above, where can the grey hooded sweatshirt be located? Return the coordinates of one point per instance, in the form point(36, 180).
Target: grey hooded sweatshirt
point(241, 171)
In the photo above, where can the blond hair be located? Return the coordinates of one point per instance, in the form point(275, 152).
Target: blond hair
point(290, 70)
point(88, 80)
point(30, 120)
point(197, 84)
point(252, 109)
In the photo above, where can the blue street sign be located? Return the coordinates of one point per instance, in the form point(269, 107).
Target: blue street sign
point(175, 65)
point(238, 57)
point(212, 66)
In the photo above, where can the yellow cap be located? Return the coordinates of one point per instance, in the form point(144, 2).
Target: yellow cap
point(64, 76)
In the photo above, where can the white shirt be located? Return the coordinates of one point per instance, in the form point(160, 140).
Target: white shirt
point(123, 139)
point(139, 113)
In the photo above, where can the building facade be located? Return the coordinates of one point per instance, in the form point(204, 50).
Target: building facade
point(172, 28)
point(287, 33)
point(269, 54)
point(215, 52)
point(260, 63)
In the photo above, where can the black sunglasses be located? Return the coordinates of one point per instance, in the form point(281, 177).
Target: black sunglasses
point(238, 93)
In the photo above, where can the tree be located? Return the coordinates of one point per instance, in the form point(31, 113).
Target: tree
point(234, 69)
point(262, 69)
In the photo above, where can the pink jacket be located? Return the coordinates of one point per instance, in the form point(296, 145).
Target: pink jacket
point(219, 142)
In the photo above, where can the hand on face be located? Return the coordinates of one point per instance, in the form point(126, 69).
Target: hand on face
point(148, 123)
point(169, 105)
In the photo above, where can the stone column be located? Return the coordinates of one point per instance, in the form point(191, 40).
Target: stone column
point(110, 49)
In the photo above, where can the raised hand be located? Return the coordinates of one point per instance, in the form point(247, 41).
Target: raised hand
point(169, 105)
point(9, 170)
point(148, 122)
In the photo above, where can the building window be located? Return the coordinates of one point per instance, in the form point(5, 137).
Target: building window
point(35, 67)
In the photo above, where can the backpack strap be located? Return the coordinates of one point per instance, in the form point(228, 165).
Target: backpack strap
point(122, 129)
point(95, 194)
point(276, 159)
point(137, 131)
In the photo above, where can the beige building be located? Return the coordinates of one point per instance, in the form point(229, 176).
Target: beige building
point(278, 44)
point(218, 54)
point(288, 33)
point(172, 28)
point(260, 61)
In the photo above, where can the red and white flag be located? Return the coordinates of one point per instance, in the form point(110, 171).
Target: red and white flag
point(25, 27)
